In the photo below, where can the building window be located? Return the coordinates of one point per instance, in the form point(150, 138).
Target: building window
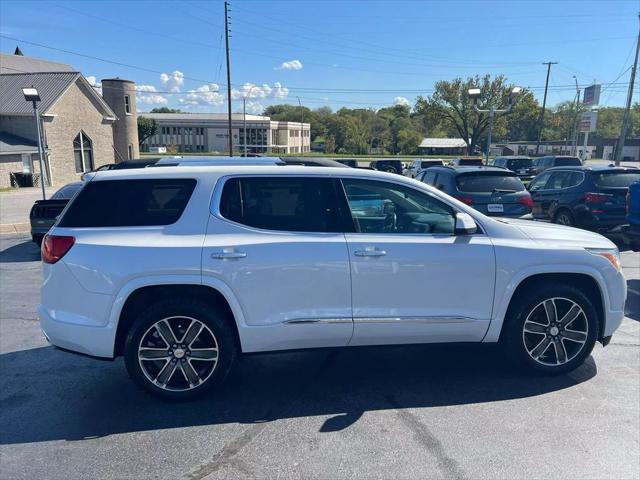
point(127, 105)
point(83, 153)
point(130, 152)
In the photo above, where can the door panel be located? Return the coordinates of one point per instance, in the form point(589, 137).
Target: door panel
point(415, 287)
point(293, 286)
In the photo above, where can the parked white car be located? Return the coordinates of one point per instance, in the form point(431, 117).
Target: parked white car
point(182, 269)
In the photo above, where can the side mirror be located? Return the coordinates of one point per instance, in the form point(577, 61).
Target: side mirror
point(465, 224)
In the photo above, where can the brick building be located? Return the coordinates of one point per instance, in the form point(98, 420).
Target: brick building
point(77, 123)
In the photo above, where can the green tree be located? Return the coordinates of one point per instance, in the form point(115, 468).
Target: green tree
point(451, 105)
point(165, 110)
point(408, 141)
point(147, 127)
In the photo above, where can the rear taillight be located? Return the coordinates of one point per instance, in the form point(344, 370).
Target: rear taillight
point(466, 200)
point(54, 247)
point(591, 197)
point(526, 201)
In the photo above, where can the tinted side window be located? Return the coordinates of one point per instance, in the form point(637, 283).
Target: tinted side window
point(129, 203)
point(557, 180)
point(539, 182)
point(430, 177)
point(284, 204)
point(573, 179)
point(381, 207)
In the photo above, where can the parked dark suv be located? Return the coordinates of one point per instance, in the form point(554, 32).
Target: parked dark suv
point(491, 190)
point(391, 166)
point(522, 166)
point(587, 197)
point(549, 161)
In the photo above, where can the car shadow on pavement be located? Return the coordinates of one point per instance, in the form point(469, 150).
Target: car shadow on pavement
point(632, 307)
point(22, 252)
point(49, 395)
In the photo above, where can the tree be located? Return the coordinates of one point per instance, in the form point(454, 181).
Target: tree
point(147, 127)
point(408, 141)
point(165, 110)
point(451, 105)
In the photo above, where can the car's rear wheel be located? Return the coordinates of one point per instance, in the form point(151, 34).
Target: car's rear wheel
point(179, 348)
point(564, 217)
point(551, 331)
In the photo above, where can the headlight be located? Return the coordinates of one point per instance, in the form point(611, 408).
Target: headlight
point(611, 254)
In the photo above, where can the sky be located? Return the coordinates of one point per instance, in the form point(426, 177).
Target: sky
point(358, 54)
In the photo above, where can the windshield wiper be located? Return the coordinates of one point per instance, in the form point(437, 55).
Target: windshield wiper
point(502, 190)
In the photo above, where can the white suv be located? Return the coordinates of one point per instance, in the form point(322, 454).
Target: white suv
point(182, 269)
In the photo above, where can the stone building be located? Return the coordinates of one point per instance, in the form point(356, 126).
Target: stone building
point(77, 123)
point(208, 132)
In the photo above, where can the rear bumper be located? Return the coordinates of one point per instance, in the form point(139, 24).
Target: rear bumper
point(71, 333)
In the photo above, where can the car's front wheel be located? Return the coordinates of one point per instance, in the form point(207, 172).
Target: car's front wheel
point(179, 348)
point(551, 331)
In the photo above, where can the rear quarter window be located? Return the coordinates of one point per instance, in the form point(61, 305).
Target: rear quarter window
point(129, 203)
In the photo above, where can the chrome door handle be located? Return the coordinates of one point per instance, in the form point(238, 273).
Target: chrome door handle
point(228, 254)
point(370, 252)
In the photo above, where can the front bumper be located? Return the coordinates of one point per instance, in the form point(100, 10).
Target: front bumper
point(73, 334)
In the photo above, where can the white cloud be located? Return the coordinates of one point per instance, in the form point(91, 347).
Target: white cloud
point(290, 65)
point(93, 81)
point(205, 95)
point(401, 101)
point(280, 91)
point(174, 81)
point(251, 90)
point(255, 107)
point(149, 96)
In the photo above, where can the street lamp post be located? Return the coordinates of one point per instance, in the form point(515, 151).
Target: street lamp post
point(31, 95)
point(475, 93)
point(301, 126)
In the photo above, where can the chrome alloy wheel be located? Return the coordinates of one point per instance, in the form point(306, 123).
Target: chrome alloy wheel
point(555, 331)
point(178, 353)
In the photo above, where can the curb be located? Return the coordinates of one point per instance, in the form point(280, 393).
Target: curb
point(15, 227)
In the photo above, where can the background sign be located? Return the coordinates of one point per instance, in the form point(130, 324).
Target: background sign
point(591, 95)
point(588, 121)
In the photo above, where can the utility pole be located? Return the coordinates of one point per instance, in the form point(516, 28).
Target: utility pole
point(226, 35)
point(617, 156)
point(544, 104)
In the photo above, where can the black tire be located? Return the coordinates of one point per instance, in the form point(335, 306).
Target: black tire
point(564, 217)
point(513, 337)
point(175, 309)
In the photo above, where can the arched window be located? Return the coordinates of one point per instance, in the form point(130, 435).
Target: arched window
point(83, 153)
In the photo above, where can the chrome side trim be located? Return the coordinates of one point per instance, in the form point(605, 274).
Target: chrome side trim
point(307, 321)
point(426, 320)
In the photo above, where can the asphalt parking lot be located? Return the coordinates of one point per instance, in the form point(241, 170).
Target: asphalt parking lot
point(401, 412)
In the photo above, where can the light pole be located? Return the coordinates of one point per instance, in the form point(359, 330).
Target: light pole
point(244, 116)
point(31, 95)
point(301, 126)
point(574, 145)
point(475, 93)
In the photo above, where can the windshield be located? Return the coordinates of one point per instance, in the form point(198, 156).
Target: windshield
point(430, 164)
point(482, 182)
point(616, 179)
point(517, 163)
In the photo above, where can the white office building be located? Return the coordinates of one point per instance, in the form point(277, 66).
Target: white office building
point(208, 132)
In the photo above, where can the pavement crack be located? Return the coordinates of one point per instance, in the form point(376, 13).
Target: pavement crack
point(450, 467)
point(226, 456)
